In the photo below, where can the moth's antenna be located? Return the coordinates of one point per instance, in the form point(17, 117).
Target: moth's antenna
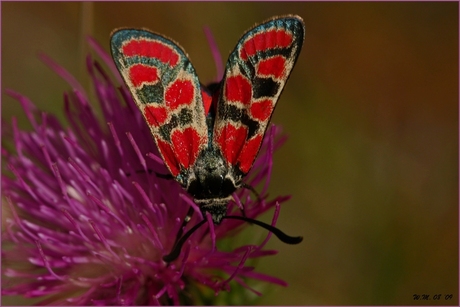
point(178, 246)
point(278, 233)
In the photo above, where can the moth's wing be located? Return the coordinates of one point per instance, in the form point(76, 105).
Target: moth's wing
point(255, 75)
point(167, 91)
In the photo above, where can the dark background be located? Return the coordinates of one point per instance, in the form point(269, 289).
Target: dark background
point(371, 109)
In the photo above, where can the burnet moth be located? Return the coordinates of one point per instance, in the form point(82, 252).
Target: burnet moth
point(210, 136)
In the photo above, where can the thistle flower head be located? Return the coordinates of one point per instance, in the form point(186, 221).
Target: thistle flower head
point(90, 221)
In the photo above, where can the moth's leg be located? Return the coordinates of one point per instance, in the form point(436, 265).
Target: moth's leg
point(149, 171)
point(250, 188)
point(187, 219)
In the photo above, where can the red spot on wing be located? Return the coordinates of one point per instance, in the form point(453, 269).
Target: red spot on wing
point(169, 157)
point(275, 38)
point(261, 110)
point(231, 140)
point(186, 145)
point(180, 92)
point(155, 115)
point(274, 66)
point(238, 88)
point(151, 49)
point(139, 74)
point(248, 153)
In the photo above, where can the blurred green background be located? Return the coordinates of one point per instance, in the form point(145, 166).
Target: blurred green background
point(371, 109)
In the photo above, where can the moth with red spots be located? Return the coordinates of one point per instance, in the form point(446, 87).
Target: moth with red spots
point(209, 136)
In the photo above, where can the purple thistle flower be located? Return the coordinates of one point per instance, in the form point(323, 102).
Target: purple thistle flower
point(89, 221)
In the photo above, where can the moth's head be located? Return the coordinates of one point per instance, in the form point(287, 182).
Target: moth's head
point(217, 207)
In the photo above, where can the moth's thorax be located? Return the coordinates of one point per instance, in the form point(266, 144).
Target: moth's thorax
point(211, 177)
